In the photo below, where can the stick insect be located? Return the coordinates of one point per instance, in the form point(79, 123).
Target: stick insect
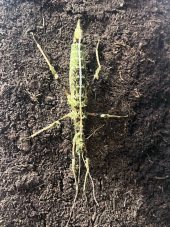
point(77, 100)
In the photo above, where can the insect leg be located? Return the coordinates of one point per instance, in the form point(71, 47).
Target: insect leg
point(75, 177)
point(96, 75)
point(74, 162)
point(52, 125)
point(87, 165)
point(102, 115)
point(52, 69)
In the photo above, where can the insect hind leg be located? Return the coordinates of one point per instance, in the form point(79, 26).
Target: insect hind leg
point(76, 179)
point(87, 165)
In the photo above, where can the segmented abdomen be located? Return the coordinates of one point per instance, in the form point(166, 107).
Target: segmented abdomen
point(74, 77)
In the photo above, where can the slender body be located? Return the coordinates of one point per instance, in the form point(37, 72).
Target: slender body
point(77, 100)
point(78, 95)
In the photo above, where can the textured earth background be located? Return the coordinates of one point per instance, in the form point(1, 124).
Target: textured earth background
point(130, 158)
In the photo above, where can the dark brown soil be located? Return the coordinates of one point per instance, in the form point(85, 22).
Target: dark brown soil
point(130, 158)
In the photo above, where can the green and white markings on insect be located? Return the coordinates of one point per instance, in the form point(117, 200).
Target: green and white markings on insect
point(77, 100)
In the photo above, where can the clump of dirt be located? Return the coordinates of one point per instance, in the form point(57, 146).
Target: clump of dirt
point(129, 157)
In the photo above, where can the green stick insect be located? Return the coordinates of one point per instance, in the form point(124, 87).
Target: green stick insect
point(77, 100)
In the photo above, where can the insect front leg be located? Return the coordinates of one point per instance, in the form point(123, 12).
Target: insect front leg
point(52, 69)
point(96, 75)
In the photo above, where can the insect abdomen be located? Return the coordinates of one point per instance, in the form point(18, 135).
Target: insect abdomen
point(74, 76)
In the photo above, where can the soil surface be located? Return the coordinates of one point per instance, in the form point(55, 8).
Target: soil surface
point(130, 158)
